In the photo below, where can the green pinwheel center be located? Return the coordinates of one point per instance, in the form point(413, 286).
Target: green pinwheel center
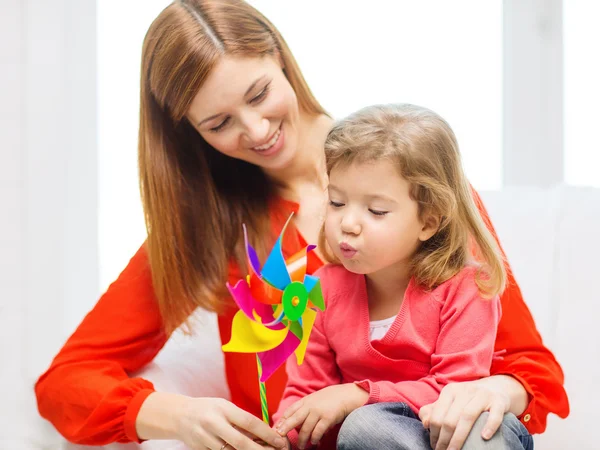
point(295, 299)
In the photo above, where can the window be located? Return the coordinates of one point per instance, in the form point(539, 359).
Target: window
point(582, 92)
point(431, 53)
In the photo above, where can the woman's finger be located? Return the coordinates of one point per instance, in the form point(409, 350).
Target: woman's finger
point(438, 412)
point(425, 414)
point(209, 441)
point(468, 416)
point(495, 418)
point(450, 421)
point(253, 425)
point(235, 439)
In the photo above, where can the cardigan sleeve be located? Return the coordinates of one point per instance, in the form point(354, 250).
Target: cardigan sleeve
point(87, 393)
point(319, 368)
point(525, 357)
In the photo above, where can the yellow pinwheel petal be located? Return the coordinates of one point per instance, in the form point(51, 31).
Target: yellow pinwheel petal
point(248, 336)
point(308, 319)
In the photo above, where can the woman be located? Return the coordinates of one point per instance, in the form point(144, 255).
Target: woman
point(229, 134)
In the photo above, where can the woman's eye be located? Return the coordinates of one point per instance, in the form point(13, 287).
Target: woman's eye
point(335, 204)
point(220, 126)
point(378, 213)
point(261, 95)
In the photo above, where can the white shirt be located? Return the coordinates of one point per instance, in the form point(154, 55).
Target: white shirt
point(378, 328)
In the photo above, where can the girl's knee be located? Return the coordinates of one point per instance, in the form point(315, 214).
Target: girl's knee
point(511, 435)
point(358, 428)
point(383, 426)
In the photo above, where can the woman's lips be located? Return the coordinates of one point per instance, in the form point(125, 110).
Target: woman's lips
point(274, 144)
point(347, 250)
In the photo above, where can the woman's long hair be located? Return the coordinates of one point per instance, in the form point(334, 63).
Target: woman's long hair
point(195, 199)
point(423, 147)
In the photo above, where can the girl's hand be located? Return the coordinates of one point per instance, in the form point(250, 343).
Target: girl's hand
point(320, 411)
point(203, 423)
point(459, 405)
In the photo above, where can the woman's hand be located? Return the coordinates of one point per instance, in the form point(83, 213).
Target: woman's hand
point(321, 410)
point(459, 405)
point(204, 423)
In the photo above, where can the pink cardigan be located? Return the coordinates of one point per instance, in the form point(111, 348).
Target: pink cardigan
point(441, 336)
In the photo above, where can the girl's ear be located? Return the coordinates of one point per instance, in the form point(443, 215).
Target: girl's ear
point(430, 226)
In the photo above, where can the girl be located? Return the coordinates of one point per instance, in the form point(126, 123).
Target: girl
point(230, 133)
point(409, 309)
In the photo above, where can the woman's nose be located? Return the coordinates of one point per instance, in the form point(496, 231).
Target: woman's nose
point(256, 129)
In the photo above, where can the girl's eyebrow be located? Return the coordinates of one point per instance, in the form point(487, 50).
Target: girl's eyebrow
point(384, 197)
point(252, 86)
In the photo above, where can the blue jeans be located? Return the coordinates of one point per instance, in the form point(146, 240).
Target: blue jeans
point(394, 426)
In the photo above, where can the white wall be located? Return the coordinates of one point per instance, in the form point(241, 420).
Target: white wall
point(48, 195)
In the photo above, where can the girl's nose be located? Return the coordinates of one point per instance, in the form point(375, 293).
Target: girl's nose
point(350, 224)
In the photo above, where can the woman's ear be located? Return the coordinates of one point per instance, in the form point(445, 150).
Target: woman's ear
point(430, 226)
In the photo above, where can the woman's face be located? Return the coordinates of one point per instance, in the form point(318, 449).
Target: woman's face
point(248, 110)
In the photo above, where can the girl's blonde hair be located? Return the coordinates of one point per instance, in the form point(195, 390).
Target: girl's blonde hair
point(196, 199)
point(424, 149)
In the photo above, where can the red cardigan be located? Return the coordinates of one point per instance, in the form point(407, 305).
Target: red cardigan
point(89, 397)
point(425, 348)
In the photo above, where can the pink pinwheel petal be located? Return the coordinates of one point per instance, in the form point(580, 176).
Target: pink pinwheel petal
point(271, 360)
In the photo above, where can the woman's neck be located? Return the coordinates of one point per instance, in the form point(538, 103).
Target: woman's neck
point(308, 166)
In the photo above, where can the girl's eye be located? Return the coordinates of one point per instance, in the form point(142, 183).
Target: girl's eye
point(262, 94)
point(220, 126)
point(335, 204)
point(378, 213)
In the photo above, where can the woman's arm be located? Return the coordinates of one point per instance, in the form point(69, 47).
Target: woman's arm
point(87, 393)
point(524, 356)
point(89, 397)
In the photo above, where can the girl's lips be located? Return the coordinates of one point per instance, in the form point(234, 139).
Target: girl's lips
point(347, 250)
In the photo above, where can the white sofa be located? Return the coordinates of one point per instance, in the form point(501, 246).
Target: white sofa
point(550, 237)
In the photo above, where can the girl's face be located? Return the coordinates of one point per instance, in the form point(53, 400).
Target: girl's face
point(248, 110)
point(372, 223)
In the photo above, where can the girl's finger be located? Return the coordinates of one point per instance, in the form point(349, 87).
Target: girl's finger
point(307, 429)
point(319, 431)
point(294, 421)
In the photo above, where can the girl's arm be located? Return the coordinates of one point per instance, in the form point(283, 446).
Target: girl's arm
point(319, 369)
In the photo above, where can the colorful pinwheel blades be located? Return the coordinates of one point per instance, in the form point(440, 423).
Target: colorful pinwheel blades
point(278, 307)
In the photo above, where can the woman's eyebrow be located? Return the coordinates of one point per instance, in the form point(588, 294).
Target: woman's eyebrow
point(252, 86)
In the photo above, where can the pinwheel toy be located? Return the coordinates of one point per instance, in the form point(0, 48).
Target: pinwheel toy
point(278, 307)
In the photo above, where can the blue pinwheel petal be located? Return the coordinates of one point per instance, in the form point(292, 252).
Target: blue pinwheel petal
point(310, 282)
point(275, 271)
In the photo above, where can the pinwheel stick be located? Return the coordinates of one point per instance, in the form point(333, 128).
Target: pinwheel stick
point(278, 306)
point(263, 393)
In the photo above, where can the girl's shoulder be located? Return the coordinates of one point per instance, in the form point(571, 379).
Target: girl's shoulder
point(462, 285)
point(336, 281)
